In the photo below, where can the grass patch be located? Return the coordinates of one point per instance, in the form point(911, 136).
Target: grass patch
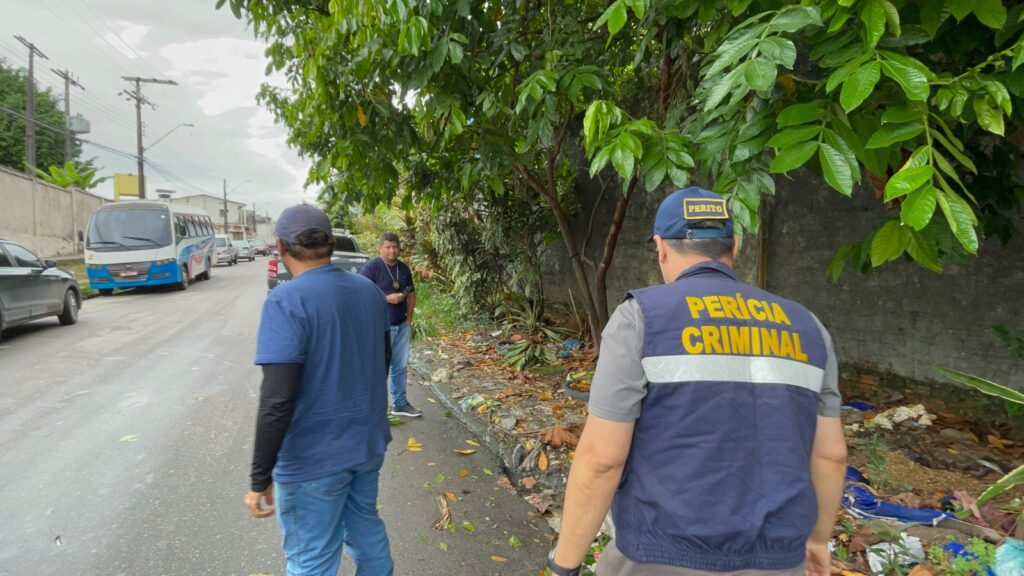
point(436, 311)
point(77, 267)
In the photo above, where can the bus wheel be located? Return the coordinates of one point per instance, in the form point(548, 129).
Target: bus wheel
point(106, 291)
point(183, 284)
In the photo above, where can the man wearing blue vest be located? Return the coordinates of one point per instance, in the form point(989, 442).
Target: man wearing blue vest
point(322, 427)
point(714, 434)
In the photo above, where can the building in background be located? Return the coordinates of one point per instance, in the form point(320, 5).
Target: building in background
point(239, 217)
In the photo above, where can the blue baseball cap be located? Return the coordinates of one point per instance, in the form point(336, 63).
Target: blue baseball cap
point(684, 208)
point(298, 219)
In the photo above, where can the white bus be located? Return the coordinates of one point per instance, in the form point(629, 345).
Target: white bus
point(142, 243)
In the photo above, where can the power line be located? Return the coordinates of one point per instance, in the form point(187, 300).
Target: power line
point(78, 32)
point(46, 126)
point(30, 104)
point(118, 36)
point(139, 101)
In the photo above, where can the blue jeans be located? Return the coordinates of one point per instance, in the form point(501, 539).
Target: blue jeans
point(318, 517)
point(400, 337)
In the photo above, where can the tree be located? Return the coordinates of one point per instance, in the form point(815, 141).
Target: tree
point(448, 98)
point(49, 142)
point(920, 95)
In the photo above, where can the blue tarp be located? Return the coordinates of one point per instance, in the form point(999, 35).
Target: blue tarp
point(861, 501)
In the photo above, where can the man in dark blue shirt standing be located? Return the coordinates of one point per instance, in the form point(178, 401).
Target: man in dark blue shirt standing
point(321, 431)
point(394, 278)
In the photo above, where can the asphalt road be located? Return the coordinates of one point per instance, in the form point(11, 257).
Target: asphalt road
point(125, 442)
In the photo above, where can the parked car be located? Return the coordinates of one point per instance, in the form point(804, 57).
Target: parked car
point(260, 247)
point(244, 250)
point(347, 256)
point(31, 289)
point(226, 252)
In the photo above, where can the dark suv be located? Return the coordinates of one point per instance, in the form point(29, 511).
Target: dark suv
point(31, 289)
point(347, 256)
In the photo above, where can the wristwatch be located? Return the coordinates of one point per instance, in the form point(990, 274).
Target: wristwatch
point(559, 570)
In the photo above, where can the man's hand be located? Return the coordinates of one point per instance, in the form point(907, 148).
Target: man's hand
point(818, 560)
point(396, 298)
point(252, 502)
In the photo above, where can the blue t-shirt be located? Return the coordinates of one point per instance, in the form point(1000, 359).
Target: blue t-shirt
point(334, 323)
point(385, 277)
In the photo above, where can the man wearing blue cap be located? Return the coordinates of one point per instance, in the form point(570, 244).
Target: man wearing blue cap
point(714, 435)
point(322, 427)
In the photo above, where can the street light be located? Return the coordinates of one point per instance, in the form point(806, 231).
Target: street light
point(167, 134)
point(225, 210)
point(239, 186)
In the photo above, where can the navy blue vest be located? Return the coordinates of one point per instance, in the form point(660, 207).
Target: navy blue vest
point(718, 476)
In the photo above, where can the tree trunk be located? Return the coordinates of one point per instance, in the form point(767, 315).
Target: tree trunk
point(611, 241)
point(551, 197)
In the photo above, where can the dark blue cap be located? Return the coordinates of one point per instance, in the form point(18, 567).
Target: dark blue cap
point(684, 208)
point(297, 219)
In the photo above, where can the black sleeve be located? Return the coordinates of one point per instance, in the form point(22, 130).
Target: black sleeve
point(281, 384)
point(387, 351)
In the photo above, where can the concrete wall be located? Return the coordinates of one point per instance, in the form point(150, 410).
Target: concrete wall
point(44, 218)
point(897, 322)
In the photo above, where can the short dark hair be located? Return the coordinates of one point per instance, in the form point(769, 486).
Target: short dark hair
point(390, 237)
point(312, 244)
point(713, 248)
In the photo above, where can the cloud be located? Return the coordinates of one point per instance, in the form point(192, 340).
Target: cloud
point(127, 39)
point(227, 72)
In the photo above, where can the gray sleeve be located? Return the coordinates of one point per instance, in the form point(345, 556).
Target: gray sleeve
point(619, 384)
point(829, 400)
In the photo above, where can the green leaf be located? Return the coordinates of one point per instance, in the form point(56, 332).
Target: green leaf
point(892, 17)
point(991, 13)
point(859, 85)
point(1000, 95)
point(455, 52)
point(721, 89)
point(839, 143)
point(1002, 485)
point(835, 267)
point(759, 74)
point(921, 250)
point(960, 8)
point(793, 18)
point(1018, 58)
point(912, 80)
point(836, 169)
point(728, 54)
point(793, 157)
point(984, 386)
point(780, 50)
point(873, 16)
point(901, 114)
point(890, 134)
point(907, 180)
point(615, 16)
point(889, 243)
point(989, 117)
point(960, 219)
point(793, 135)
point(933, 14)
point(918, 207)
point(843, 72)
point(801, 114)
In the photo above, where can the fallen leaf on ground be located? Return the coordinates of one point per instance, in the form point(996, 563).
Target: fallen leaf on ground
point(446, 514)
point(514, 542)
point(432, 401)
point(463, 473)
point(473, 443)
point(413, 446)
point(920, 571)
point(507, 485)
point(129, 438)
point(542, 461)
point(528, 482)
point(908, 499)
point(545, 396)
point(451, 496)
point(465, 452)
point(443, 546)
point(499, 559)
point(488, 472)
point(468, 526)
point(558, 436)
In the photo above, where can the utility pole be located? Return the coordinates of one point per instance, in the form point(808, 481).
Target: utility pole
point(69, 81)
point(30, 105)
point(225, 205)
point(139, 101)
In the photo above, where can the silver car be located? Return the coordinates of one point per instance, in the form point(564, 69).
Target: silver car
point(226, 253)
point(245, 251)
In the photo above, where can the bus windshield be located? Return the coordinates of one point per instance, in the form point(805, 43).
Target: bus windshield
point(129, 229)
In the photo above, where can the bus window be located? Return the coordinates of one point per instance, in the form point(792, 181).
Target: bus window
point(192, 227)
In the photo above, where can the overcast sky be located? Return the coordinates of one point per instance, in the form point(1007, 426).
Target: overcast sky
point(218, 66)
